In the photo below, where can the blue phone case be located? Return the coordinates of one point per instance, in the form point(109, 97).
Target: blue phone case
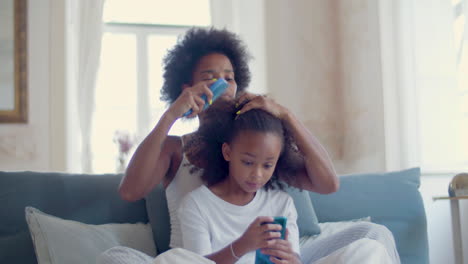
point(217, 88)
point(261, 258)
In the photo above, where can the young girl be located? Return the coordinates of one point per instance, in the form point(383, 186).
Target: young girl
point(243, 156)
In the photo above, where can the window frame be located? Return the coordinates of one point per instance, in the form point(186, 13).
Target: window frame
point(142, 33)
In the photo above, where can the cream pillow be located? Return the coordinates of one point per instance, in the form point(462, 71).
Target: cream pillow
point(60, 241)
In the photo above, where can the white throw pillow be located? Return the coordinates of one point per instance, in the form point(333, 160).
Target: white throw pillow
point(60, 241)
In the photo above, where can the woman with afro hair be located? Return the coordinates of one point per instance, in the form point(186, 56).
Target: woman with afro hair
point(199, 58)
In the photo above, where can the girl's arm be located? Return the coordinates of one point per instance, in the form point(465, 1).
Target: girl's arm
point(318, 174)
point(152, 159)
point(286, 250)
point(258, 235)
point(282, 251)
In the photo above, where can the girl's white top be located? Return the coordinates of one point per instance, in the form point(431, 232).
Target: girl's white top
point(208, 223)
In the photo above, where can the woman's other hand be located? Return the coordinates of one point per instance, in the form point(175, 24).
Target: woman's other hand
point(261, 102)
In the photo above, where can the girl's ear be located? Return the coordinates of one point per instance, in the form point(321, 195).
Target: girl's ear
point(226, 149)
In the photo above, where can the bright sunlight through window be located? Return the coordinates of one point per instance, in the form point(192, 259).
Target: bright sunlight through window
point(136, 37)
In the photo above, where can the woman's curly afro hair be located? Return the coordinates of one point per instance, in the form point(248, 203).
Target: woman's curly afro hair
point(221, 124)
point(180, 62)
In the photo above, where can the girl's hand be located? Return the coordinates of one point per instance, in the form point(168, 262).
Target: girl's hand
point(258, 235)
point(262, 102)
point(281, 251)
point(190, 98)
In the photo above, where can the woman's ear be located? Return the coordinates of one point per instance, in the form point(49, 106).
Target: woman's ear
point(226, 149)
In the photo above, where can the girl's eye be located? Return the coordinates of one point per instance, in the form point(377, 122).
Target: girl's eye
point(229, 79)
point(268, 166)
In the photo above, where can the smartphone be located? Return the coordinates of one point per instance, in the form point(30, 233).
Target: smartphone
point(217, 88)
point(261, 258)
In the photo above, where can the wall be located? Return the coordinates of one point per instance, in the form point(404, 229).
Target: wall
point(26, 146)
point(363, 149)
point(333, 68)
point(40, 143)
point(303, 66)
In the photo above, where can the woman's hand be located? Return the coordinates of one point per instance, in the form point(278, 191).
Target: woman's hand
point(258, 235)
point(262, 102)
point(317, 174)
point(190, 98)
point(281, 251)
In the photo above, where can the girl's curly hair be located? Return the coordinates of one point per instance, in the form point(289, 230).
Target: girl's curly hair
point(221, 124)
point(179, 63)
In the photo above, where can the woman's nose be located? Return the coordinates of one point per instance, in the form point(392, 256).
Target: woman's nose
point(217, 75)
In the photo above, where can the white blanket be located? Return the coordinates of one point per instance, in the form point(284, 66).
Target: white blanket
point(350, 242)
point(362, 251)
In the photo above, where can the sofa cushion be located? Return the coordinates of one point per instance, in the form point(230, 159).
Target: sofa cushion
point(158, 215)
point(307, 220)
point(91, 199)
point(391, 199)
point(59, 241)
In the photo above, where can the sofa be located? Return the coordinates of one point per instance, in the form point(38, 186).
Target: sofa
point(391, 199)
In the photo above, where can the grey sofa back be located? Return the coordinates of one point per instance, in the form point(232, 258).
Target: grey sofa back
point(91, 199)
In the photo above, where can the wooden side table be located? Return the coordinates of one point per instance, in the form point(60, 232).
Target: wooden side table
point(456, 225)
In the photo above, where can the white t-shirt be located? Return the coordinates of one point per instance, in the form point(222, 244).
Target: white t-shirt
point(208, 223)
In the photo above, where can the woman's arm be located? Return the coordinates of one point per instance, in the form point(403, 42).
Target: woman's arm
point(153, 157)
point(150, 162)
point(318, 174)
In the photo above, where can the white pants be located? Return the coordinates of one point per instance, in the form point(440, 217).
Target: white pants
point(363, 243)
point(362, 251)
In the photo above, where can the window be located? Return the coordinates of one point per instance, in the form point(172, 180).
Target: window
point(460, 8)
point(441, 70)
point(137, 35)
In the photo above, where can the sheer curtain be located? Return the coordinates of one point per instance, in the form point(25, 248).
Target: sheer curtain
point(442, 146)
point(88, 47)
point(425, 98)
